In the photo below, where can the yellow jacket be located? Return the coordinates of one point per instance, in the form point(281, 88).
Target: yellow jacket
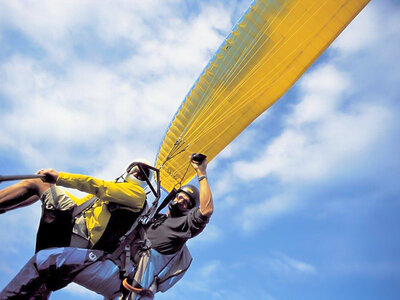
point(97, 217)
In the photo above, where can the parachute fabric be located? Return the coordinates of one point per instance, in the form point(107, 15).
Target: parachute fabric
point(270, 47)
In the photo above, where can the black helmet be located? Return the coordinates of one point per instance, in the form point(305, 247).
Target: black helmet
point(192, 192)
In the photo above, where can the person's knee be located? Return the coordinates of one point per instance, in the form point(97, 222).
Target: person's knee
point(46, 260)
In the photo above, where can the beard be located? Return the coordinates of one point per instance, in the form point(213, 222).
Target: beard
point(175, 211)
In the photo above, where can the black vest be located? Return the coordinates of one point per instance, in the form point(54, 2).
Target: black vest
point(55, 228)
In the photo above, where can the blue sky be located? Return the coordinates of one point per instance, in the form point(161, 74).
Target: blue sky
point(306, 199)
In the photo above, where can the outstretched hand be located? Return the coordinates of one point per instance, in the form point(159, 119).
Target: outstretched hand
point(199, 168)
point(50, 175)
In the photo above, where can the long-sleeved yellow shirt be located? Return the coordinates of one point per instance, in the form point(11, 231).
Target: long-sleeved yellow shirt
point(97, 217)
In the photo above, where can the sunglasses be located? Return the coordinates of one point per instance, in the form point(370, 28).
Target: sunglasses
point(187, 201)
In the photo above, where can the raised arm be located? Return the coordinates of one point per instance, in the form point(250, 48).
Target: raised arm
point(125, 193)
point(206, 201)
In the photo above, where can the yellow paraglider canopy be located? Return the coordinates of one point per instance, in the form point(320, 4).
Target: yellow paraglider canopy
point(268, 50)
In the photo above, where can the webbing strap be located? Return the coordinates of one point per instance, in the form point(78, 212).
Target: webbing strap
point(127, 260)
point(78, 209)
point(167, 199)
point(147, 219)
point(127, 238)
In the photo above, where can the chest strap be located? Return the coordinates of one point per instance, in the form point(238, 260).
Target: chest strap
point(80, 208)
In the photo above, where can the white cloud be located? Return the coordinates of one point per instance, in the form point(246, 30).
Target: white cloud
point(334, 126)
point(320, 135)
point(265, 211)
point(362, 33)
point(228, 201)
point(284, 264)
point(322, 91)
point(18, 229)
point(121, 156)
point(211, 234)
point(182, 44)
point(345, 117)
point(96, 107)
point(77, 290)
point(206, 277)
point(88, 106)
point(238, 145)
point(57, 26)
point(222, 186)
point(209, 269)
point(94, 87)
point(214, 280)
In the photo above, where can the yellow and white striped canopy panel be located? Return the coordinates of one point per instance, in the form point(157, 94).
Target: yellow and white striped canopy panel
point(270, 47)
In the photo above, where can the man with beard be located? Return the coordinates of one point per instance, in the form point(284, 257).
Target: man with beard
point(52, 269)
point(187, 216)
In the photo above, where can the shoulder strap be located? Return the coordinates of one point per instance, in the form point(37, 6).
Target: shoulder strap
point(167, 199)
point(143, 221)
point(80, 208)
point(153, 211)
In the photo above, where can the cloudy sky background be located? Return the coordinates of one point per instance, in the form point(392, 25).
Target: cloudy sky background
point(306, 199)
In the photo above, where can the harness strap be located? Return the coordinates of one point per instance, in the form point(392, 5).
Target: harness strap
point(127, 260)
point(148, 218)
point(128, 237)
point(124, 242)
point(167, 199)
point(78, 209)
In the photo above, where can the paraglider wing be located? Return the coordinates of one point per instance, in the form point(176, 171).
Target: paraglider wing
point(270, 47)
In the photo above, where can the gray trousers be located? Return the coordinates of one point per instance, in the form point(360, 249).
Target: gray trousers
point(52, 269)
